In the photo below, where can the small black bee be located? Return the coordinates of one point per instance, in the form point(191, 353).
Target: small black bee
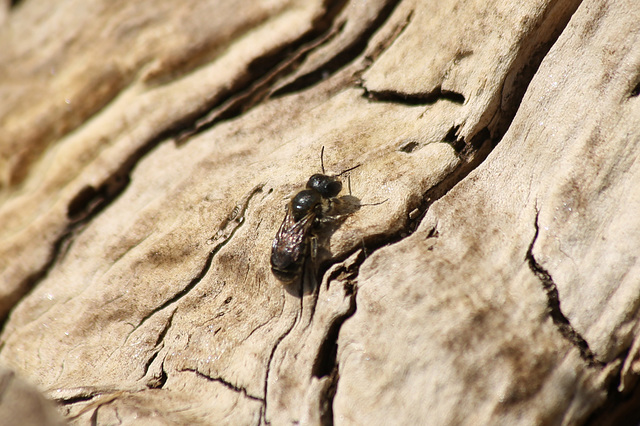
point(307, 208)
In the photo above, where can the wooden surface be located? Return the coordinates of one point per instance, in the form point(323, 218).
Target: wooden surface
point(487, 274)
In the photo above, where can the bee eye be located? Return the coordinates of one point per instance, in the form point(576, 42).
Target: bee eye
point(327, 186)
point(332, 188)
point(304, 202)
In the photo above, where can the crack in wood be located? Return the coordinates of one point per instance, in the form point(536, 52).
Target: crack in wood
point(81, 209)
point(385, 44)
point(284, 62)
point(100, 398)
point(413, 99)
point(325, 363)
point(227, 229)
point(60, 247)
point(326, 360)
point(266, 377)
point(223, 382)
point(635, 91)
point(244, 99)
point(555, 312)
point(621, 406)
point(343, 57)
point(265, 71)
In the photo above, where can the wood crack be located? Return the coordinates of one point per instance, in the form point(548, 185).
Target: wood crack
point(265, 71)
point(227, 229)
point(325, 363)
point(266, 377)
point(341, 58)
point(225, 383)
point(413, 99)
point(555, 312)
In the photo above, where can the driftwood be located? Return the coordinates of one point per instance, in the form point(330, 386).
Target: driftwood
point(486, 272)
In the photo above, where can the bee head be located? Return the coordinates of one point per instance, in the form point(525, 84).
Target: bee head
point(326, 186)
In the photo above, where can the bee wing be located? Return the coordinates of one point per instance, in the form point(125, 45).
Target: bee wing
point(289, 245)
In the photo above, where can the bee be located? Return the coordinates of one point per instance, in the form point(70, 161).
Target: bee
point(305, 210)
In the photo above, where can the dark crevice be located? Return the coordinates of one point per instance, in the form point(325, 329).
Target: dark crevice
point(90, 201)
point(433, 233)
point(86, 201)
point(409, 147)
point(472, 155)
point(158, 382)
point(227, 384)
point(477, 141)
point(325, 363)
point(185, 290)
point(163, 376)
point(165, 329)
point(635, 91)
point(262, 72)
point(27, 284)
point(457, 143)
point(343, 58)
point(87, 204)
point(96, 399)
point(452, 135)
point(147, 365)
point(559, 319)
point(412, 99)
point(76, 399)
point(14, 3)
point(326, 399)
point(266, 377)
point(394, 34)
point(94, 417)
point(526, 65)
point(224, 235)
point(619, 409)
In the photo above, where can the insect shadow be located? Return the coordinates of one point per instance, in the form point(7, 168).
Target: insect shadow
point(311, 217)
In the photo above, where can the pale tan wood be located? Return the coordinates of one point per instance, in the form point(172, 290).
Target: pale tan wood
point(147, 159)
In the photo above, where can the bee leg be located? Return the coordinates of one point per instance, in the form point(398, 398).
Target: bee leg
point(313, 240)
point(327, 218)
point(327, 207)
point(310, 266)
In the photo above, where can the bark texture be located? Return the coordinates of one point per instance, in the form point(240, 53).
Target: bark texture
point(486, 272)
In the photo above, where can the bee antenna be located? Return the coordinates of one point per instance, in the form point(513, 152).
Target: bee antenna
point(321, 159)
point(348, 170)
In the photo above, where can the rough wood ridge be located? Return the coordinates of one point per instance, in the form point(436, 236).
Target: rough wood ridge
point(487, 272)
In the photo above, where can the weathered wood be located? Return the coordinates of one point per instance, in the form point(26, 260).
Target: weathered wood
point(486, 273)
point(23, 404)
